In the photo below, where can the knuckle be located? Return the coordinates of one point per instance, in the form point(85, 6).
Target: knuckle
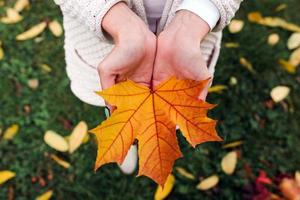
point(103, 69)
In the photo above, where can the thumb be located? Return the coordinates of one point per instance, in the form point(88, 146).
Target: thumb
point(204, 92)
point(107, 77)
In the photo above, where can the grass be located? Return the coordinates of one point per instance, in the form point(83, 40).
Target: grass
point(271, 135)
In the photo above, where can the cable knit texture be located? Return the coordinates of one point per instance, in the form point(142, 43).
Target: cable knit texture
point(86, 44)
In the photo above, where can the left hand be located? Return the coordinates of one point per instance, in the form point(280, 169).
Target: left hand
point(178, 50)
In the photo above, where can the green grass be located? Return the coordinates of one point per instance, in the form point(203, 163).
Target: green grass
point(271, 136)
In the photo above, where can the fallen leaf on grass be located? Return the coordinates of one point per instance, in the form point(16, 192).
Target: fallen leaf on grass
point(263, 178)
point(86, 138)
point(6, 175)
point(11, 132)
point(60, 161)
point(273, 39)
point(33, 83)
point(45, 196)
point(162, 193)
point(281, 7)
point(290, 189)
point(185, 173)
point(229, 162)
point(232, 45)
point(56, 141)
point(20, 5)
point(295, 57)
point(77, 136)
point(32, 32)
point(297, 177)
point(287, 66)
point(293, 41)
point(233, 81)
point(46, 68)
point(55, 28)
point(217, 88)
point(208, 183)
point(151, 117)
point(279, 93)
point(257, 17)
point(12, 17)
point(1, 51)
point(245, 63)
point(232, 144)
point(236, 26)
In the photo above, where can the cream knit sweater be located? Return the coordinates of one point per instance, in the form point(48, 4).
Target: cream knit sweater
point(86, 45)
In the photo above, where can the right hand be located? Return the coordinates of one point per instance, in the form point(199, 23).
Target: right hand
point(134, 52)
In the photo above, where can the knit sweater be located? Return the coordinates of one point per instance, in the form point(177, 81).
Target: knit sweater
point(86, 44)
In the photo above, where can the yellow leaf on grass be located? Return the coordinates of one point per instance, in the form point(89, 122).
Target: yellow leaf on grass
point(232, 45)
point(33, 83)
point(12, 17)
point(279, 93)
point(236, 26)
point(280, 7)
point(6, 175)
point(55, 28)
point(86, 138)
point(297, 177)
point(228, 163)
point(185, 173)
point(1, 51)
point(32, 32)
point(46, 68)
point(21, 5)
point(233, 81)
point(60, 161)
point(273, 39)
point(287, 66)
point(245, 63)
point(208, 183)
point(56, 141)
point(256, 17)
point(232, 144)
point(295, 57)
point(217, 88)
point(293, 41)
point(151, 118)
point(45, 196)
point(77, 136)
point(11, 132)
point(162, 193)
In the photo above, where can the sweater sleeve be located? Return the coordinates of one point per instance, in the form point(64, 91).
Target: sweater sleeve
point(88, 12)
point(204, 9)
point(227, 10)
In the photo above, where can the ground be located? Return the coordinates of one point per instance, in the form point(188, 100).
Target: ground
point(270, 133)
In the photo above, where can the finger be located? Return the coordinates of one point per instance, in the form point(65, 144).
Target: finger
point(107, 80)
point(204, 92)
point(121, 78)
point(107, 77)
point(203, 74)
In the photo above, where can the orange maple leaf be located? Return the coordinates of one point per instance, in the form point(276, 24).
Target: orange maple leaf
point(151, 116)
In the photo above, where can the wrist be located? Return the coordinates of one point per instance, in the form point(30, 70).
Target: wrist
point(192, 24)
point(121, 23)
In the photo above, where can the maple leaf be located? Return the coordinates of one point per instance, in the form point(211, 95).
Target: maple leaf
point(151, 116)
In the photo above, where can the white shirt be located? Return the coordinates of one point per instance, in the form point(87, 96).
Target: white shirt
point(203, 8)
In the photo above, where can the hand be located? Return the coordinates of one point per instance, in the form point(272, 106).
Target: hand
point(134, 51)
point(178, 50)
